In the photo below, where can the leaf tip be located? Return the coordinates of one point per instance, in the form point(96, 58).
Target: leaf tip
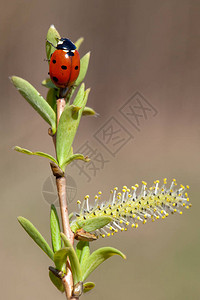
point(88, 286)
point(52, 206)
point(82, 86)
point(123, 256)
point(12, 78)
point(87, 159)
point(20, 219)
point(87, 91)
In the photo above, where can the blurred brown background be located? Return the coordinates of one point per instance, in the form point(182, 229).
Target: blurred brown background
point(151, 47)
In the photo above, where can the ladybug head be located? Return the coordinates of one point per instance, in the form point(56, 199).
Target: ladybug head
point(66, 44)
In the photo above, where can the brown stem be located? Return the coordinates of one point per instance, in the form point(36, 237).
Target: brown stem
point(65, 282)
point(78, 287)
point(60, 107)
point(62, 194)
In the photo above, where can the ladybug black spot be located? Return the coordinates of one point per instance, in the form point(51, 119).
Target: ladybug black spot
point(54, 61)
point(76, 68)
point(64, 67)
point(55, 79)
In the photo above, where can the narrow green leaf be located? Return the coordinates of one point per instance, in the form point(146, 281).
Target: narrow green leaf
point(55, 229)
point(74, 226)
point(71, 215)
point(74, 157)
point(68, 126)
point(84, 62)
point(48, 84)
point(51, 98)
point(97, 258)
point(52, 36)
point(83, 252)
point(38, 153)
point(94, 223)
point(80, 96)
point(88, 286)
point(36, 236)
point(88, 111)
point(60, 258)
point(86, 94)
point(66, 131)
point(57, 282)
point(35, 100)
point(79, 250)
point(75, 265)
point(79, 42)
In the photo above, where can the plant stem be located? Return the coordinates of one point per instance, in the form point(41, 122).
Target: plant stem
point(60, 107)
point(62, 194)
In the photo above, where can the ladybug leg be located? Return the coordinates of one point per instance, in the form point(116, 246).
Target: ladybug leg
point(57, 94)
point(63, 92)
point(69, 92)
point(73, 86)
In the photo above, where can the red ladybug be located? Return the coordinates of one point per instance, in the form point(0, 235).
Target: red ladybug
point(64, 64)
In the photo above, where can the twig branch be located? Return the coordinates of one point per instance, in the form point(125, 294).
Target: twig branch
point(67, 280)
point(64, 280)
point(60, 107)
point(62, 194)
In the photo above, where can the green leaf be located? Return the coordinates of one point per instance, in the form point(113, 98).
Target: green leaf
point(52, 36)
point(94, 223)
point(57, 282)
point(74, 226)
point(83, 252)
point(79, 249)
point(88, 111)
point(36, 236)
point(35, 100)
point(71, 215)
point(97, 258)
point(55, 229)
point(78, 101)
point(51, 98)
point(60, 258)
point(48, 84)
point(84, 62)
point(88, 286)
point(75, 265)
point(38, 153)
point(74, 157)
point(68, 126)
point(79, 42)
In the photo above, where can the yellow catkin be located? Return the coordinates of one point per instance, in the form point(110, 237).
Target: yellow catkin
point(127, 206)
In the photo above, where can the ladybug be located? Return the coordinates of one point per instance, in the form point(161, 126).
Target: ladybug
point(64, 64)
